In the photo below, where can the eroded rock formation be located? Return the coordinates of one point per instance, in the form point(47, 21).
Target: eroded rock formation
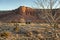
point(26, 13)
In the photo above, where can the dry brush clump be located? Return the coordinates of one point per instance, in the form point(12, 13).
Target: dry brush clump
point(16, 29)
point(5, 34)
point(31, 33)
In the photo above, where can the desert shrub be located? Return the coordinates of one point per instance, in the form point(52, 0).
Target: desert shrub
point(16, 24)
point(29, 33)
point(37, 31)
point(5, 34)
point(16, 29)
point(40, 36)
point(26, 32)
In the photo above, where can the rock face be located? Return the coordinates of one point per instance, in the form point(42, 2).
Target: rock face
point(24, 14)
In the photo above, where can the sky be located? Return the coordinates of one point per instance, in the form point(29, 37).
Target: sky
point(13, 4)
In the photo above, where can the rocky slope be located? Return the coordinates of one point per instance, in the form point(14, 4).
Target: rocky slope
point(23, 14)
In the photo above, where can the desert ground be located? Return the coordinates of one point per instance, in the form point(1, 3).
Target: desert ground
point(22, 31)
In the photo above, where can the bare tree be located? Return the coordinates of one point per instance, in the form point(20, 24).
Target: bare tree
point(48, 15)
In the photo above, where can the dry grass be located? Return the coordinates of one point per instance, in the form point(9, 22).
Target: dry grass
point(5, 34)
point(28, 32)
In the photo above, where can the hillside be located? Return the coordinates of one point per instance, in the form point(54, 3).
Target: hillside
point(24, 14)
